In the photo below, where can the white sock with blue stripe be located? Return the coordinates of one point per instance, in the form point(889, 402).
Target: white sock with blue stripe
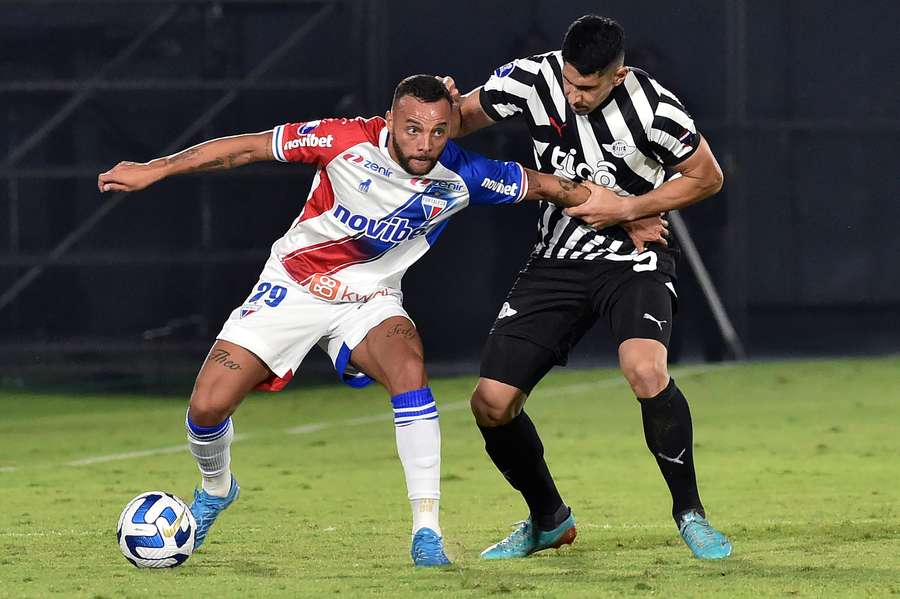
point(419, 447)
point(211, 447)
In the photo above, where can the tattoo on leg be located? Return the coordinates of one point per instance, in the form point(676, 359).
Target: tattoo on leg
point(223, 357)
point(409, 332)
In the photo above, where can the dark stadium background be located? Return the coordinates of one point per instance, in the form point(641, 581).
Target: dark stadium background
point(798, 100)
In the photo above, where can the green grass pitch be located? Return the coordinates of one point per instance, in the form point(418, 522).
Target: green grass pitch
point(798, 462)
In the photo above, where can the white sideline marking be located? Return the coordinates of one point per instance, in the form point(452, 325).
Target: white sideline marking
point(384, 417)
point(138, 454)
point(581, 524)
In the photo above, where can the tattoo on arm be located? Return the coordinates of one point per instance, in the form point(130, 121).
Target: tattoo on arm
point(215, 164)
point(182, 156)
point(567, 186)
point(223, 357)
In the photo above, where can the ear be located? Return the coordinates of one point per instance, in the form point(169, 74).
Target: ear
point(620, 75)
point(390, 119)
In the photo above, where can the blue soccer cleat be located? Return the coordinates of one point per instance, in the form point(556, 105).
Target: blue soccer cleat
point(526, 539)
point(206, 508)
point(705, 541)
point(428, 549)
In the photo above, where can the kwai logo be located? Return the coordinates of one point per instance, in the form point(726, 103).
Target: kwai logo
point(392, 230)
point(602, 174)
point(363, 162)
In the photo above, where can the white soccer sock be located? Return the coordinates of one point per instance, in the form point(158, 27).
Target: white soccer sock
point(211, 447)
point(419, 447)
point(425, 514)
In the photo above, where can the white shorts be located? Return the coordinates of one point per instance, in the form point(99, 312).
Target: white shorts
point(280, 322)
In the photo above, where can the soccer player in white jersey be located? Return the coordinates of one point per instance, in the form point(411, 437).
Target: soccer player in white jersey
point(591, 117)
point(383, 192)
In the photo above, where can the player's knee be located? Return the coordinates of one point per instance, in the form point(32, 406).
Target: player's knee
point(647, 377)
point(209, 405)
point(492, 409)
point(406, 374)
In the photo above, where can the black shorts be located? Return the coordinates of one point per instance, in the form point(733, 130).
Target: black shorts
point(553, 303)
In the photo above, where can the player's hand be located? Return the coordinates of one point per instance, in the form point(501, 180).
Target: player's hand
point(602, 209)
point(129, 176)
point(652, 229)
point(450, 84)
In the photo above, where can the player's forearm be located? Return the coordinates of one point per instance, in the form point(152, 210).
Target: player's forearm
point(672, 195)
point(551, 188)
point(217, 154)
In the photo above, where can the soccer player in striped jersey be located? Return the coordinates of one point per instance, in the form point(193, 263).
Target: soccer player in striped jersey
point(592, 118)
point(383, 192)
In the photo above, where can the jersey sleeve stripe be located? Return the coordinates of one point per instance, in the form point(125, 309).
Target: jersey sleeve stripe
point(515, 90)
point(495, 106)
point(670, 150)
point(277, 134)
point(523, 188)
point(667, 99)
point(669, 112)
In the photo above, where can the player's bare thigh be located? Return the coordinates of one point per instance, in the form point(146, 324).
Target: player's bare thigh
point(392, 354)
point(494, 403)
point(229, 373)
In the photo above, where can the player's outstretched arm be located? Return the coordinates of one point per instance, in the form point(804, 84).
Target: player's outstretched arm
point(216, 154)
point(551, 188)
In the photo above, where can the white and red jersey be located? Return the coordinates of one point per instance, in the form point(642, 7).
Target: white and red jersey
point(366, 220)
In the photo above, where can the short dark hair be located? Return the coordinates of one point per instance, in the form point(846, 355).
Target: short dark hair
point(592, 43)
point(427, 88)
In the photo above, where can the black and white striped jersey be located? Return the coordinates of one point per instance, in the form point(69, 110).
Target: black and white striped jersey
point(625, 144)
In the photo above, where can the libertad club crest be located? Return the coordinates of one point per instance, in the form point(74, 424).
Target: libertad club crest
point(619, 148)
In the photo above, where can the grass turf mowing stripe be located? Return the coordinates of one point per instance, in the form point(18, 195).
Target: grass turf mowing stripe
point(318, 426)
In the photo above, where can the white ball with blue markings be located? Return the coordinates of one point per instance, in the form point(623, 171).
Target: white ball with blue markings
point(156, 530)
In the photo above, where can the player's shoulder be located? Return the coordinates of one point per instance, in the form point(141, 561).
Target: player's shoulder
point(525, 68)
point(650, 87)
point(357, 129)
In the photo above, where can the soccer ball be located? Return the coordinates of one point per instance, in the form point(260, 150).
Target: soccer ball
point(156, 530)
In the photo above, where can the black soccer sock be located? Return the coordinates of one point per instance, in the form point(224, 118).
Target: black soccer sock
point(669, 435)
point(517, 452)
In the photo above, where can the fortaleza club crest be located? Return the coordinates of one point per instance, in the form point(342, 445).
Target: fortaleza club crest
point(248, 309)
point(619, 148)
point(432, 207)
